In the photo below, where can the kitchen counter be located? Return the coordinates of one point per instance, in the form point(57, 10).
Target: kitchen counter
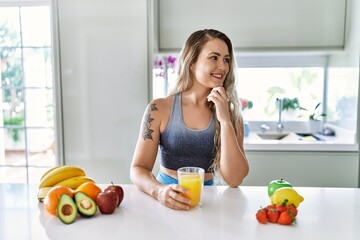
point(293, 142)
point(343, 141)
point(315, 146)
point(226, 213)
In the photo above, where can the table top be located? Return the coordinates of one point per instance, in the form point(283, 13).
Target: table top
point(225, 213)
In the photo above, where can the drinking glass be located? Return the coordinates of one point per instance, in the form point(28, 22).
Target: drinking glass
point(192, 178)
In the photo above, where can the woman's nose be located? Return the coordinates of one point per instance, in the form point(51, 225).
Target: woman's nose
point(221, 65)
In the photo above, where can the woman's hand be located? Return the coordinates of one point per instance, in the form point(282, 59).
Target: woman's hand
point(219, 98)
point(171, 196)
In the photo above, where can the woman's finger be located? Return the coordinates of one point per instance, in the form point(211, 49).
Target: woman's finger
point(175, 200)
point(219, 93)
point(179, 192)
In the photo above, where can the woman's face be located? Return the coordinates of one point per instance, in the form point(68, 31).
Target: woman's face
point(212, 64)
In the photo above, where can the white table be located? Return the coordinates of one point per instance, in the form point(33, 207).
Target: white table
point(226, 213)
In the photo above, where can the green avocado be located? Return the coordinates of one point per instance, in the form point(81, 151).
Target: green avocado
point(85, 204)
point(66, 209)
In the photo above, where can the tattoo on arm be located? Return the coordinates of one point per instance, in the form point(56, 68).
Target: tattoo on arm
point(146, 130)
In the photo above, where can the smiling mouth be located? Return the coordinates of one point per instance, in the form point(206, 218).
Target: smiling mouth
point(217, 75)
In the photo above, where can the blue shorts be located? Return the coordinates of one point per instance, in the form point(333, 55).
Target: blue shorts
point(166, 179)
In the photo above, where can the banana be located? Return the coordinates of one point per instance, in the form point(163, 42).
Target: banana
point(74, 182)
point(59, 174)
point(42, 193)
point(51, 169)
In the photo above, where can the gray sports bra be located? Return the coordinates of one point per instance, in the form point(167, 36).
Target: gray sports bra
point(181, 146)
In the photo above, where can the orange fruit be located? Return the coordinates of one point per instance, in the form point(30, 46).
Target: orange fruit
point(90, 189)
point(52, 198)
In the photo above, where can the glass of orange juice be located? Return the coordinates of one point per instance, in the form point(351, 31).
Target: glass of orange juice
point(192, 178)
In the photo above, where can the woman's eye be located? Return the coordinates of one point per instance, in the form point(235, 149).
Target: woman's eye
point(216, 58)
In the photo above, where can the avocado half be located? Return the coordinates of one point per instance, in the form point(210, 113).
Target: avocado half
point(66, 209)
point(85, 204)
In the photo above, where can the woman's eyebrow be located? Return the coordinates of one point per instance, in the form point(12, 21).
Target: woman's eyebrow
point(218, 54)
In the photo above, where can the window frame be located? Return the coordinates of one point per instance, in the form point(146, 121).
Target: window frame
point(56, 87)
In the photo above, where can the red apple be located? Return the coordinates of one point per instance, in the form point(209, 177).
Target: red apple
point(118, 189)
point(107, 201)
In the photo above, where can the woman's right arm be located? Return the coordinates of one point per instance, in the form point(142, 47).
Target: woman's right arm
point(145, 156)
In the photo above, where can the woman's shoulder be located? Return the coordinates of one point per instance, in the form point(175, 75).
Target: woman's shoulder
point(162, 105)
point(160, 110)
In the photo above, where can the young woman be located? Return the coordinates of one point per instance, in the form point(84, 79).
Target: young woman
point(198, 124)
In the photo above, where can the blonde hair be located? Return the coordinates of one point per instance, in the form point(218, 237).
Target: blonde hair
point(188, 56)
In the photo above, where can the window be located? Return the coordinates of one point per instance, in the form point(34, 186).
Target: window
point(27, 124)
point(164, 75)
point(342, 96)
point(262, 86)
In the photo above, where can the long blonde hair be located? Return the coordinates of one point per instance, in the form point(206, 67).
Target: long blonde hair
point(188, 56)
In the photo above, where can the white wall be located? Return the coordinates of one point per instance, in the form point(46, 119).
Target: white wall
point(103, 58)
point(350, 56)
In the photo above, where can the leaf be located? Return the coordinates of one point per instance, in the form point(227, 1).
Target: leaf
point(317, 106)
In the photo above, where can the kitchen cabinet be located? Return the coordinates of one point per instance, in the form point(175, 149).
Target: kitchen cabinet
point(256, 24)
point(311, 169)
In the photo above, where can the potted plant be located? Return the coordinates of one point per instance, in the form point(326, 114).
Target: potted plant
point(290, 108)
point(315, 115)
point(314, 118)
point(290, 104)
point(245, 104)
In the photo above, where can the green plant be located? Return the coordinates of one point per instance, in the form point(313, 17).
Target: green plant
point(14, 122)
point(315, 114)
point(245, 104)
point(290, 103)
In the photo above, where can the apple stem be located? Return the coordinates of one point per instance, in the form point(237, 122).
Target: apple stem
point(112, 183)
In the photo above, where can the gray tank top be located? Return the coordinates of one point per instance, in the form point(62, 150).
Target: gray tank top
point(181, 146)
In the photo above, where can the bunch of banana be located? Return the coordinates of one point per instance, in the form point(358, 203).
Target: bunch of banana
point(69, 176)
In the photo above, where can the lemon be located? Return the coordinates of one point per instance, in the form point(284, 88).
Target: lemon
point(286, 193)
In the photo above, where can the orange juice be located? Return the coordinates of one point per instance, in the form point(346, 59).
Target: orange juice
point(194, 184)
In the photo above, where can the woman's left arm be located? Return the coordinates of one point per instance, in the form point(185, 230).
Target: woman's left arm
point(234, 165)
